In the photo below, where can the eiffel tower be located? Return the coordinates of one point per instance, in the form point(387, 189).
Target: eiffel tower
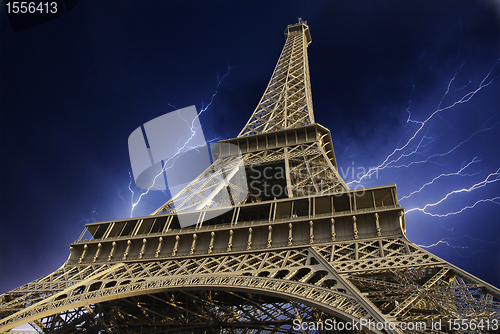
point(314, 253)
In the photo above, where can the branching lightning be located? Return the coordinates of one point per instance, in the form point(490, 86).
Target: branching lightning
point(495, 200)
point(399, 153)
point(447, 243)
point(171, 160)
point(417, 147)
point(443, 241)
point(442, 175)
point(428, 159)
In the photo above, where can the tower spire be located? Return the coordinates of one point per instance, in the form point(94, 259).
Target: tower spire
point(287, 101)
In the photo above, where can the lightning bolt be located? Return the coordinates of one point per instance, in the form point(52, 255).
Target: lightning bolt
point(446, 242)
point(495, 200)
point(169, 163)
point(437, 154)
point(399, 152)
point(416, 143)
point(459, 172)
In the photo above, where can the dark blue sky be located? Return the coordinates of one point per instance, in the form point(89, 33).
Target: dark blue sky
point(72, 90)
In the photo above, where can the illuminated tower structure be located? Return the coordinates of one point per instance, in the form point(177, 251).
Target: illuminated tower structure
point(313, 252)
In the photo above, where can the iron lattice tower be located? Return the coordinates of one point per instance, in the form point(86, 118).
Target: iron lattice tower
point(317, 251)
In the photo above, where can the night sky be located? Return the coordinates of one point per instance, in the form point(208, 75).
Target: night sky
point(73, 89)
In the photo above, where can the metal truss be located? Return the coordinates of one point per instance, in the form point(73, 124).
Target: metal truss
point(287, 101)
point(214, 311)
point(310, 172)
point(286, 273)
point(391, 280)
point(409, 284)
point(319, 253)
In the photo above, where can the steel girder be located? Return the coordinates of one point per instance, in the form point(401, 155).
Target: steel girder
point(385, 280)
point(287, 101)
point(310, 172)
